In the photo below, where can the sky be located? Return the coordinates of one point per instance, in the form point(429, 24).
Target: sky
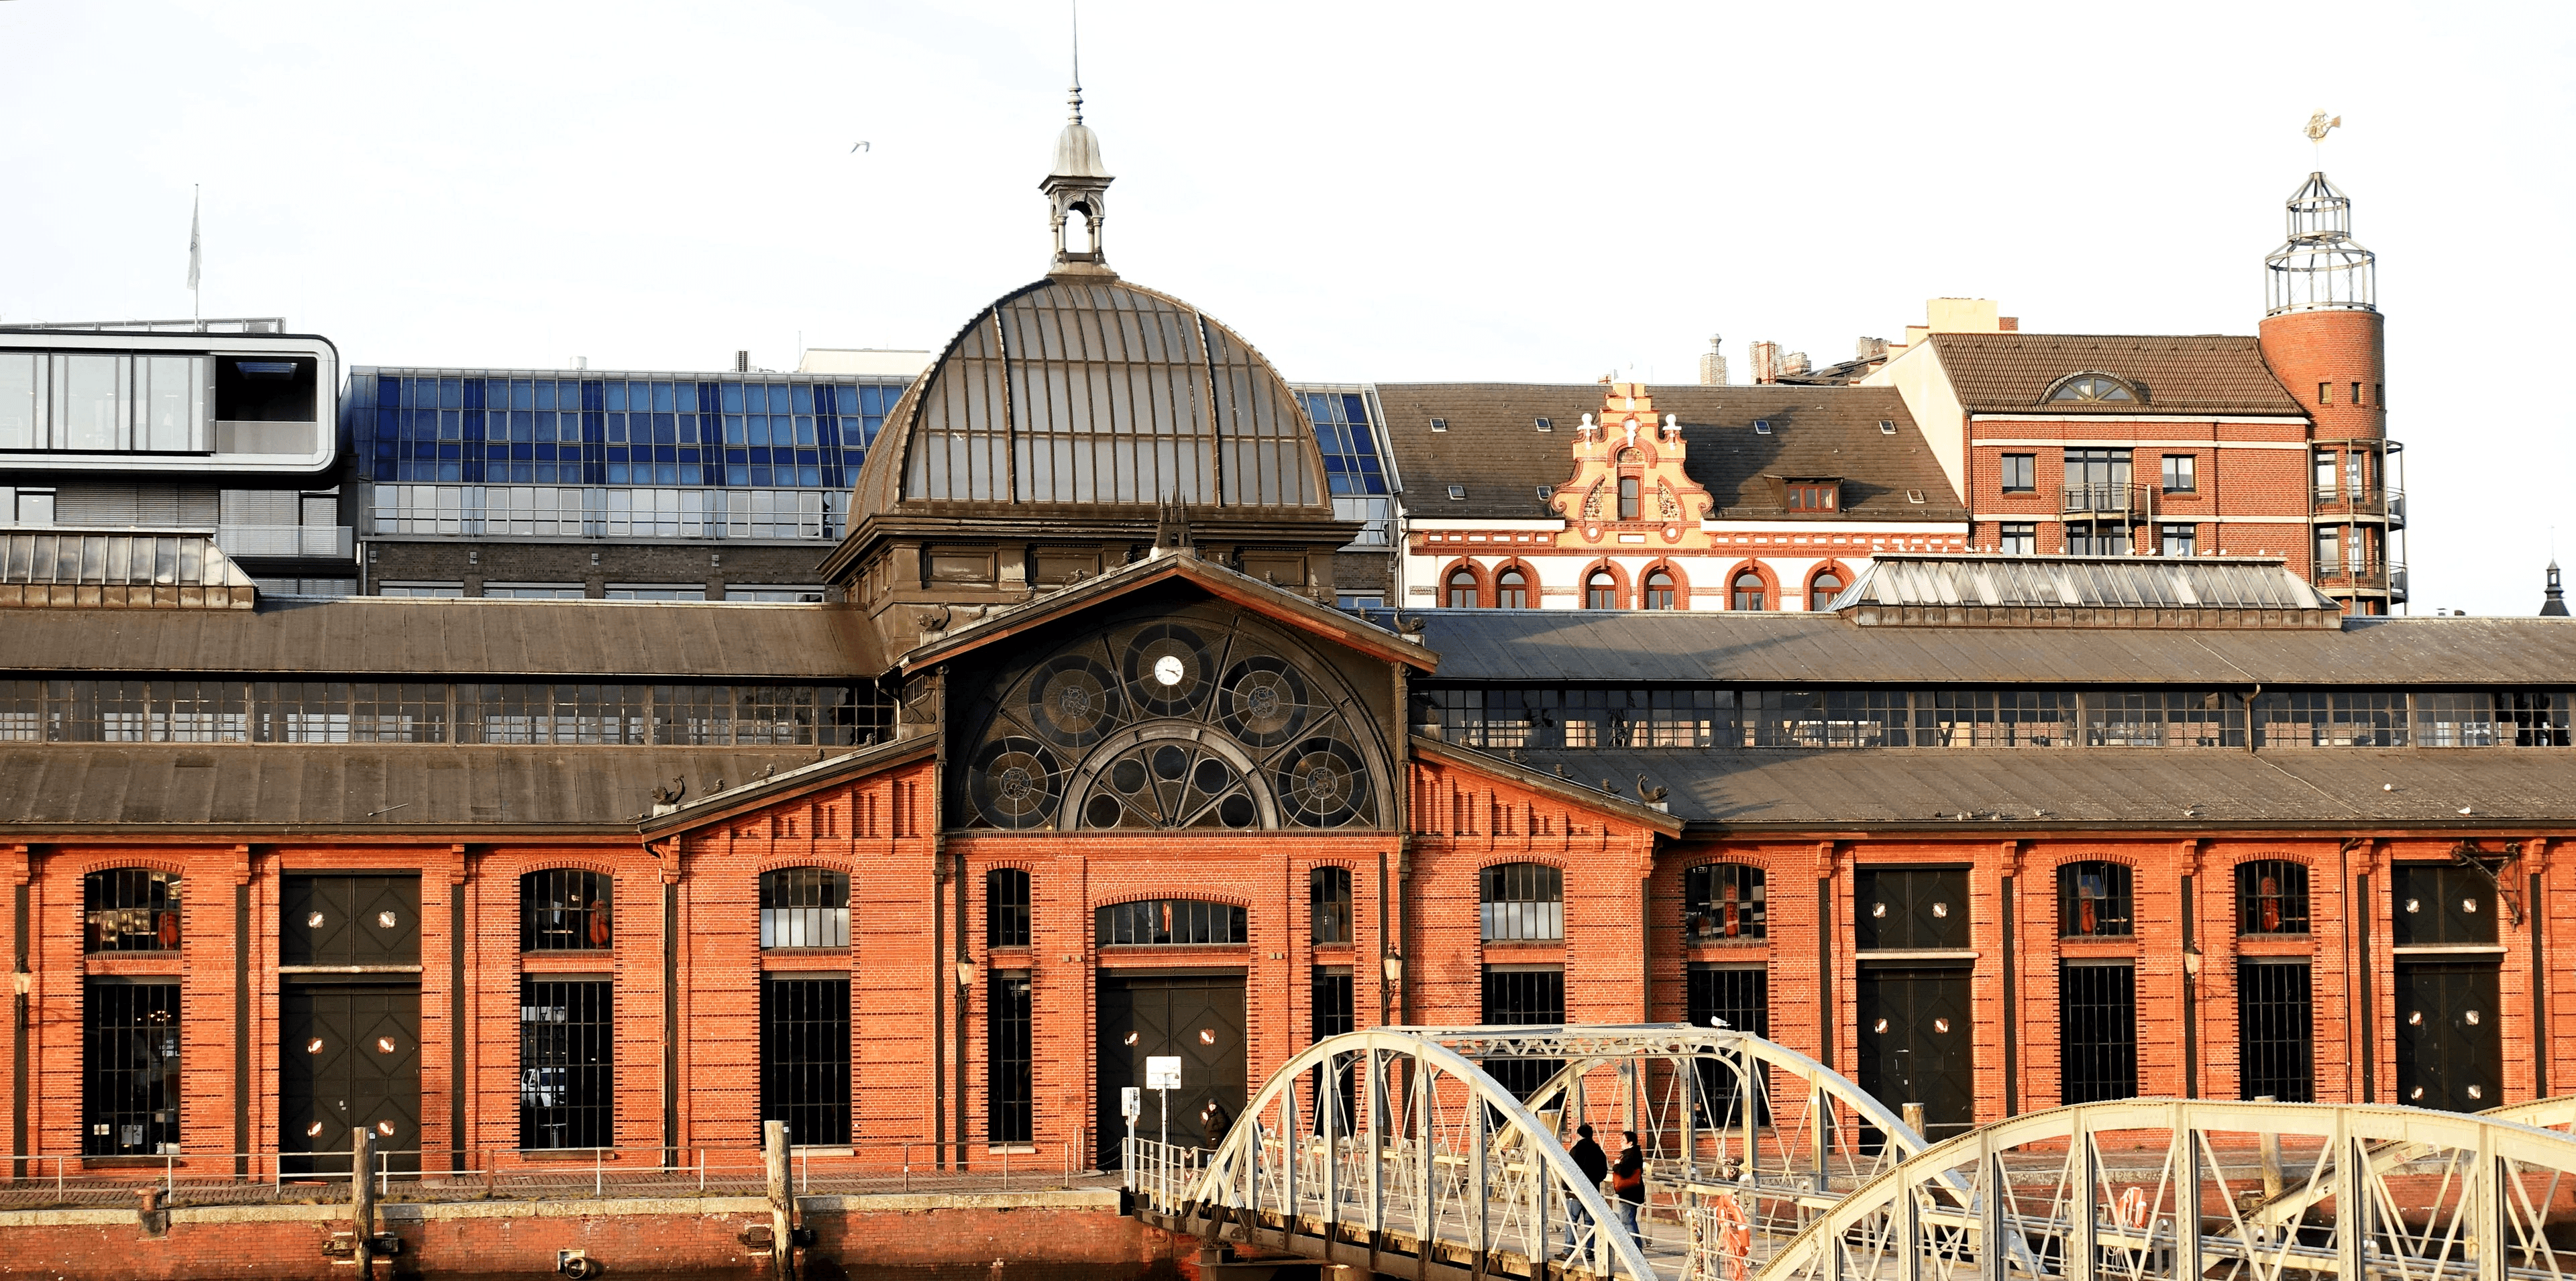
point(1368, 191)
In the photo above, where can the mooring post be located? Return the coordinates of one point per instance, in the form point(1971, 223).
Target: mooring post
point(782, 1224)
point(1914, 1118)
point(2271, 1149)
point(362, 1201)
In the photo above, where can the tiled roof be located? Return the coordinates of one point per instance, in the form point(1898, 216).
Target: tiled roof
point(2182, 373)
point(1494, 451)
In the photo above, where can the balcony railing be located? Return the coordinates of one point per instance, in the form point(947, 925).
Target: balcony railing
point(314, 541)
point(2131, 502)
point(2337, 500)
point(2387, 576)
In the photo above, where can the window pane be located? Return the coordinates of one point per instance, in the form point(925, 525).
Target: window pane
point(92, 402)
point(173, 393)
point(567, 1064)
point(804, 907)
point(131, 909)
point(17, 401)
point(805, 1056)
point(131, 1088)
point(564, 909)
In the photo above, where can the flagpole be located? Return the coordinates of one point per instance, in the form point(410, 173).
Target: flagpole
point(196, 297)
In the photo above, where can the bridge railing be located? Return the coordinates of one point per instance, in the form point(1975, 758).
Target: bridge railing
point(1162, 1176)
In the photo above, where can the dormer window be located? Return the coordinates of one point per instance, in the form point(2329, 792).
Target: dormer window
point(2093, 389)
point(1811, 495)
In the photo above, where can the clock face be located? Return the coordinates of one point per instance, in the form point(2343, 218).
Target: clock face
point(1168, 669)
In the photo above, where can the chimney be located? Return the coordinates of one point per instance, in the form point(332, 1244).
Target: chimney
point(742, 362)
point(1712, 366)
point(1795, 364)
point(1766, 362)
point(1870, 349)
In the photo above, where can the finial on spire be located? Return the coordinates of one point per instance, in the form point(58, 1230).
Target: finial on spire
point(1075, 8)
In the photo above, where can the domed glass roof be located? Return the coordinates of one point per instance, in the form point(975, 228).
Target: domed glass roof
point(1078, 390)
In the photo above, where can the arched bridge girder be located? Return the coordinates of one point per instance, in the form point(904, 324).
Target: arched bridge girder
point(2478, 1201)
point(1435, 1157)
point(2557, 1112)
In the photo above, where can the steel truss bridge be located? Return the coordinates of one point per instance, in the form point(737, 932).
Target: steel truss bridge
point(1398, 1150)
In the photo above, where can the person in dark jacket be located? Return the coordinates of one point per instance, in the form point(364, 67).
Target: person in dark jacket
point(1628, 1180)
point(1588, 1158)
point(1216, 1121)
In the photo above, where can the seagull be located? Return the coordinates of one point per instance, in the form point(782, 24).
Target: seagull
point(1717, 1021)
point(2468, 809)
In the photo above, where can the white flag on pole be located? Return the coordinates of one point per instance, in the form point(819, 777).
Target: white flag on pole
point(195, 255)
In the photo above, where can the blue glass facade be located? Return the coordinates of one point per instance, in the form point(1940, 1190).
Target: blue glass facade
point(787, 432)
point(1352, 463)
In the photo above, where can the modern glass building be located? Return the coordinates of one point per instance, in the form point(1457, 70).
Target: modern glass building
point(465, 453)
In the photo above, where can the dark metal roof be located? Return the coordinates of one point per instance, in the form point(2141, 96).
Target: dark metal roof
point(1574, 645)
point(1493, 448)
point(2180, 373)
point(352, 787)
point(419, 639)
point(1095, 392)
point(2007, 790)
point(2090, 591)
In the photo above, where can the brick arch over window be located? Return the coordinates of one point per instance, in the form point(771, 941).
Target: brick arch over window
point(1681, 583)
point(1770, 583)
point(1529, 584)
point(1484, 583)
point(1835, 567)
point(1623, 594)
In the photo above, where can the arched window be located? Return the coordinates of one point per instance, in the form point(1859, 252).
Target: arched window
point(1627, 498)
point(1600, 590)
point(564, 908)
point(1659, 590)
point(2093, 900)
point(2272, 897)
point(1006, 907)
point(1328, 892)
point(1169, 922)
point(1748, 590)
point(1462, 588)
point(131, 909)
point(1511, 590)
point(1523, 901)
point(1823, 588)
point(1722, 901)
point(804, 907)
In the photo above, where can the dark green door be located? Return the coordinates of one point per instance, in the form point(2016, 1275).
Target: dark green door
point(351, 1059)
point(1915, 1045)
point(1199, 1019)
point(2449, 1055)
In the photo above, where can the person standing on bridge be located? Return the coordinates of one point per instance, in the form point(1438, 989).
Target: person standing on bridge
point(1216, 1120)
point(1628, 1180)
point(1588, 1158)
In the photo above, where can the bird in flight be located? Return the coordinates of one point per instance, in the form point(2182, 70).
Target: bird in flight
point(859, 148)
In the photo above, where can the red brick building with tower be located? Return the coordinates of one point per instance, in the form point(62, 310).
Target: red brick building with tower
point(2182, 445)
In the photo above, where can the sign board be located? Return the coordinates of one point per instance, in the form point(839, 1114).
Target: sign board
point(1131, 1102)
point(1162, 1071)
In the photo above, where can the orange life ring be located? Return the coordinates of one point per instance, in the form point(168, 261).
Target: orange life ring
point(1734, 1237)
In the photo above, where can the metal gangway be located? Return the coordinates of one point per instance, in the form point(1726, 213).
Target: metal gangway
point(1397, 1150)
point(1401, 1151)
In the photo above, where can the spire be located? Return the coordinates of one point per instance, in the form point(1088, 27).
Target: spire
point(2553, 602)
point(1076, 185)
point(2320, 266)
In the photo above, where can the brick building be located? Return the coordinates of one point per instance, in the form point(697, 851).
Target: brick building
point(1082, 765)
point(2182, 445)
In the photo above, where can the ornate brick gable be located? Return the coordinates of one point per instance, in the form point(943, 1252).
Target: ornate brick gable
point(1629, 445)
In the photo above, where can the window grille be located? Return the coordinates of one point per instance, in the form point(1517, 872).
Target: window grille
point(567, 1063)
point(804, 907)
point(1523, 901)
point(131, 1095)
point(564, 908)
point(1328, 894)
point(2097, 1026)
point(1006, 907)
point(1739, 999)
point(1528, 996)
point(1162, 922)
point(2093, 901)
point(131, 909)
point(1334, 1012)
point(805, 1056)
point(1010, 1103)
point(2271, 897)
point(1722, 901)
point(2275, 1033)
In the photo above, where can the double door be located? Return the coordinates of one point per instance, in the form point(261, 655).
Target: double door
point(2449, 1053)
point(1195, 1018)
point(1916, 1042)
point(348, 1018)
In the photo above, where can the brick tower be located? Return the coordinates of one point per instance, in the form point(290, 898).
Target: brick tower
point(2324, 338)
